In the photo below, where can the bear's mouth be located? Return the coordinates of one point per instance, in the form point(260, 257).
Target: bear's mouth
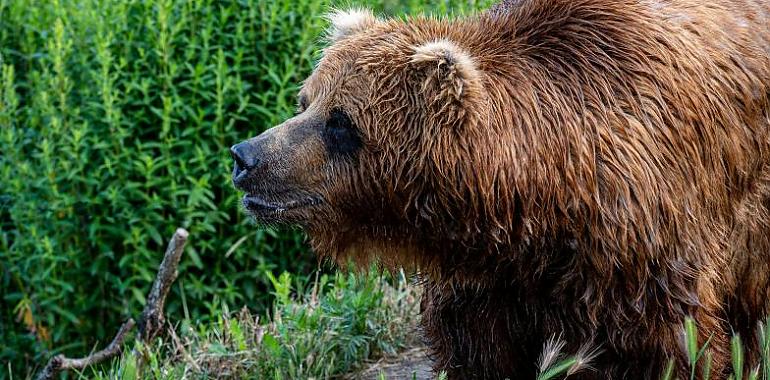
point(261, 207)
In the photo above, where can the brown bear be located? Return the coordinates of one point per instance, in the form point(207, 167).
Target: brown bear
point(594, 170)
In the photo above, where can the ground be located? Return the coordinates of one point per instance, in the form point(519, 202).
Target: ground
point(410, 364)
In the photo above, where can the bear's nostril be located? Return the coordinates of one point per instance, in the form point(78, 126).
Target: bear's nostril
point(241, 156)
point(239, 163)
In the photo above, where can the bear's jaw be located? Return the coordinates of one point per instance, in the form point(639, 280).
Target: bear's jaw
point(278, 212)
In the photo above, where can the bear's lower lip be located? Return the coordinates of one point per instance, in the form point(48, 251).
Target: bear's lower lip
point(259, 205)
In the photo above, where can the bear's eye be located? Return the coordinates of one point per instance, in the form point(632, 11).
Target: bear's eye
point(302, 104)
point(340, 135)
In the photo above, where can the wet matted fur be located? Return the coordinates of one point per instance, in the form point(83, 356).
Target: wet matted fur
point(591, 169)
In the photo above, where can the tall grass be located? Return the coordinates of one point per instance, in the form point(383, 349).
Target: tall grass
point(700, 360)
point(698, 354)
point(115, 118)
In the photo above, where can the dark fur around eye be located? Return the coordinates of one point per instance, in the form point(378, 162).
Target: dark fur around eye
point(302, 104)
point(340, 135)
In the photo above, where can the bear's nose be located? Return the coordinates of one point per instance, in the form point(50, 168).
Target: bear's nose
point(244, 158)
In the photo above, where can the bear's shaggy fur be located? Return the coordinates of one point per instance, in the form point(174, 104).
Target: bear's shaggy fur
point(595, 170)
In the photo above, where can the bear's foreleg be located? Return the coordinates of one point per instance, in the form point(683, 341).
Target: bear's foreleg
point(478, 333)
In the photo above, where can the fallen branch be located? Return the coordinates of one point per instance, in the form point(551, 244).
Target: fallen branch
point(152, 320)
point(60, 363)
point(150, 323)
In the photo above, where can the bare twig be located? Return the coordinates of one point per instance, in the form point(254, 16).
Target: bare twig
point(60, 363)
point(152, 320)
point(150, 323)
point(181, 348)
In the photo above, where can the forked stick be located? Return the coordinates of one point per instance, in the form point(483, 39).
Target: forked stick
point(150, 323)
point(152, 320)
point(61, 363)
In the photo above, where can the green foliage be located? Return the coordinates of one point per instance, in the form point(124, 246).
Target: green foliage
point(699, 356)
point(329, 329)
point(115, 119)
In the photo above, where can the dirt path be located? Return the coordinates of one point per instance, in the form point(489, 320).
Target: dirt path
point(413, 364)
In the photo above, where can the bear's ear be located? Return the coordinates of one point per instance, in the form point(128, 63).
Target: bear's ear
point(349, 22)
point(452, 81)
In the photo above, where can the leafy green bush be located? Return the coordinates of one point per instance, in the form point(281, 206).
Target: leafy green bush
point(115, 118)
point(321, 331)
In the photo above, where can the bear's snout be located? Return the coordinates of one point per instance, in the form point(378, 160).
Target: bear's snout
point(280, 172)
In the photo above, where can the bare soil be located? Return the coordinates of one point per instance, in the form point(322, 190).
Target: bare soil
point(413, 364)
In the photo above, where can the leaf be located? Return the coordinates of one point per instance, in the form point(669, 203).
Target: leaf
point(737, 355)
point(271, 344)
point(691, 340)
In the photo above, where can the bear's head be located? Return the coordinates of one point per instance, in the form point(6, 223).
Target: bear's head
point(391, 148)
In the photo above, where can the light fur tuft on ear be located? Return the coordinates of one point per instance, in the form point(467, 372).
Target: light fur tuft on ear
point(348, 22)
point(453, 65)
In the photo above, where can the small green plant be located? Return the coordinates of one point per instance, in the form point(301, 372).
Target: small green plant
point(554, 363)
point(322, 331)
point(701, 355)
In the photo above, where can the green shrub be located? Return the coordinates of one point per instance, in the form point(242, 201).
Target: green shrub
point(324, 330)
point(115, 118)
